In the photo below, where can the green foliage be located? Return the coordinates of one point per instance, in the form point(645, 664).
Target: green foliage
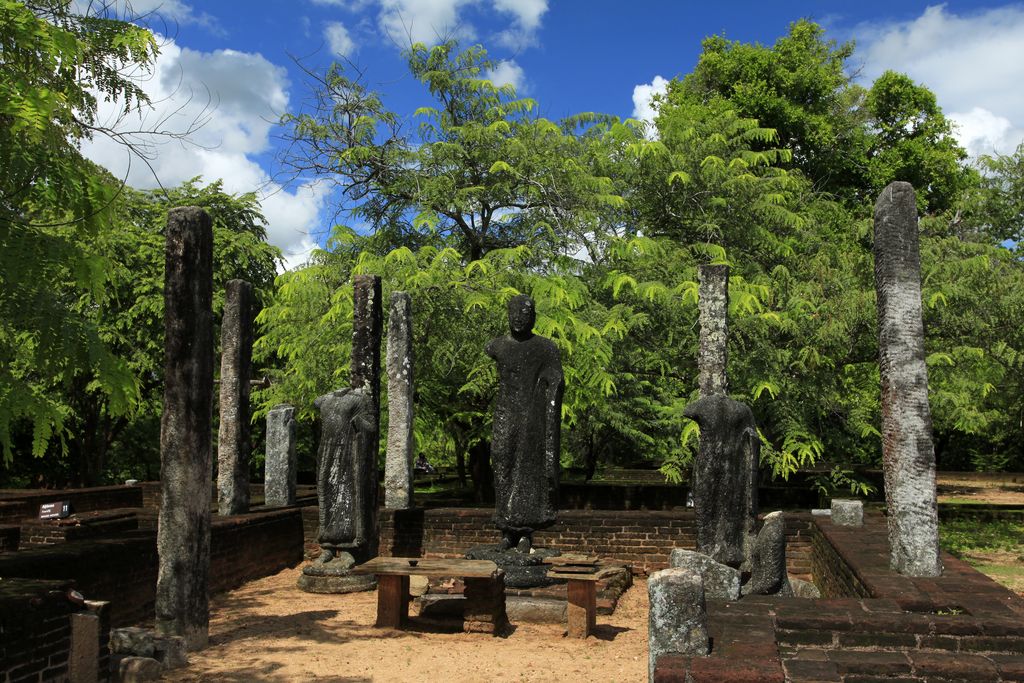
point(850, 141)
point(128, 321)
point(54, 65)
point(913, 141)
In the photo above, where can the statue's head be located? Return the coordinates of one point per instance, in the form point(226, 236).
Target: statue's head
point(521, 315)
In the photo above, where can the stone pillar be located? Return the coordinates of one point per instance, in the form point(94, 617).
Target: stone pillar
point(713, 302)
point(908, 455)
point(280, 463)
point(367, 322)
point(677, 621)
point(236, 337)
point(183, 532)
point(398, 466)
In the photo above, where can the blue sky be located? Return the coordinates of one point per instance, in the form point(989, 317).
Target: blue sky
point(231, 65)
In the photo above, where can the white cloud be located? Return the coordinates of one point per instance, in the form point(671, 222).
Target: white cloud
point(432, 21)
point(237, 96)
point(527, 15)
point(973, 62)
point(643, 107)
point(175, 11)
point(424, 21)
point(507, 72)
point(338, 39)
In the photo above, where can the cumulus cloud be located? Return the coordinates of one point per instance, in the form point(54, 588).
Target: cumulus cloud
point(424, 21)
point(643, 106)
point(338, 39)
point(973, 62)
point(507, 73)
point(234, 98)
point(432, 21)
point(527, 15)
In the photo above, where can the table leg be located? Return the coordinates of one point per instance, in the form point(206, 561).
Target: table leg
point(392, 600)
point(582, 608)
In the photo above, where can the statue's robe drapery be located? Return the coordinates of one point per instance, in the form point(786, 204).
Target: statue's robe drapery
point(525, 444)
point(348, 445)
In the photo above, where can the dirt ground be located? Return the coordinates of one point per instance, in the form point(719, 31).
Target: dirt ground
point(1003, 488)
point(269, 630)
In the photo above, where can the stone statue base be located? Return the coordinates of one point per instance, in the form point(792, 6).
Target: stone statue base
point(522, 570)
point(334, 576)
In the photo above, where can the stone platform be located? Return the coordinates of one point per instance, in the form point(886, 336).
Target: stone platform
point(872, 625)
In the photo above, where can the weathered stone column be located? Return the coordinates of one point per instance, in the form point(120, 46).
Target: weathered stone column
point(367, 323)
point(280, 463)
point(398, 466)
point(235, 371)
point(677, 621)
point(713, 302)
point(908, 455)
point(183, 533)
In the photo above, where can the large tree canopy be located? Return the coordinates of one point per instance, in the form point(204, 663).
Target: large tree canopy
point(53, 67)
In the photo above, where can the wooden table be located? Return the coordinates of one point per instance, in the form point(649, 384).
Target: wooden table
point(485, 589)
point(582, 575)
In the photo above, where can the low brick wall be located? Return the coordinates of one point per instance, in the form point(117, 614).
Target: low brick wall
point(877, 625)
point(35, 630)
point(122, 569)
point(18, 505)
point(38, 532)
point(641, 538)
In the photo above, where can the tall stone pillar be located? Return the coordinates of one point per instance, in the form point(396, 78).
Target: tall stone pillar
point(280, 463)
point(398, 466)
point(367, 323)
point(908, 455)
point(713, 302)
point(233, 447)
point(183, 533)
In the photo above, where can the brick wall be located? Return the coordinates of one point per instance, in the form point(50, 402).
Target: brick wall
point(18, 505)
point(38, 532)
point(123, 569)
point(35, 630)
point(833, 576)
point(642, 538)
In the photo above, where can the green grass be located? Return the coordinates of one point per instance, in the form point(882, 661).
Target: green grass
point(962, 536)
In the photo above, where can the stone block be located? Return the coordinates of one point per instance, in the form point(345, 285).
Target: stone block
point(847, 512)
point(677, 619)
point(720, 581)
point(139, 670)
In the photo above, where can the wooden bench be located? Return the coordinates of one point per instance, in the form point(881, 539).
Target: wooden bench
point(582, 574)
point(484, 593)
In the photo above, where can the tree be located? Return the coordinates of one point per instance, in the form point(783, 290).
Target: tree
point(129, 323)
point(482, 171)
point(55, 64)
point(850, 141)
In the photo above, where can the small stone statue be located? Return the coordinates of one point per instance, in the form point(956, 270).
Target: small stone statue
point(525, 444)
point(348, 447)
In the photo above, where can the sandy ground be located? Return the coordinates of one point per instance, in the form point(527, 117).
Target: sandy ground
point(1004, 488)
point(269, 630)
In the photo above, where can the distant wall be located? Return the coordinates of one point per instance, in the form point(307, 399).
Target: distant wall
point(122, 568)
point(18, 505)
point(642, 538)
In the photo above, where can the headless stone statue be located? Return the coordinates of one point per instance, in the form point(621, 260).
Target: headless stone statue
point(525, 444)
point(725, 477)
point(348, 445)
